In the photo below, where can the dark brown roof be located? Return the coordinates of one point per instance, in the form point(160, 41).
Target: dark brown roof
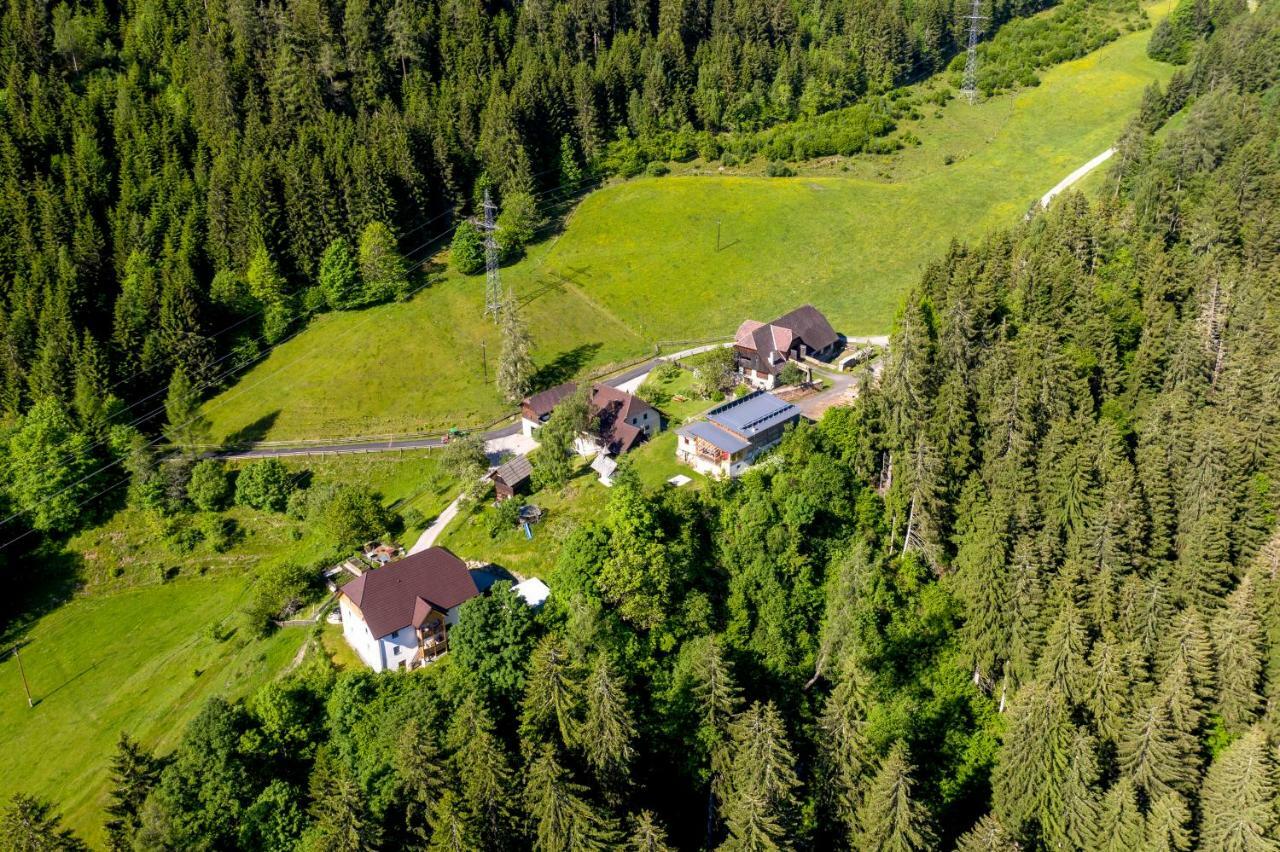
point(808, 324)
point(542, 403)
point(613, 407)
point(393, 596)
point(514, 472)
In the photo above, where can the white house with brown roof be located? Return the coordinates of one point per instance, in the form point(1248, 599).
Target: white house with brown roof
point(398, 616)
point(762, 348)
point(620, 420)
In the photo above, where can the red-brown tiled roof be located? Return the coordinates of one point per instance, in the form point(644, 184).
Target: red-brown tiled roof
point(389, 597)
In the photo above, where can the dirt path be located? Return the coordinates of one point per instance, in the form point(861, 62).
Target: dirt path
point(1067, 182)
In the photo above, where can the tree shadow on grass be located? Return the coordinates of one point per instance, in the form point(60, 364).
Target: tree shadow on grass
point(42, 580)
point(252, 433)
point(564, 366)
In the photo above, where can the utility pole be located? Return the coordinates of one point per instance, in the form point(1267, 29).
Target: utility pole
point(492, 284)
point(970, 86)
point(23, 674)
point(484, 360)
point(717, 235)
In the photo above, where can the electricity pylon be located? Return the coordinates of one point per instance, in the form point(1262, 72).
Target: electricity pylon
point(492, 283)
point(970, 86)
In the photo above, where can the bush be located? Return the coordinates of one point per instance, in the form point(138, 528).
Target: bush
point(657, 169)
point(264, 485)
point(209, 488)
point(790, 374)
point(666, 371)
point(218, 531)
point(779, 169)
point(504, 517)
point(466, 252)
point(181, 537)
point(281, 590)
point(350, 514)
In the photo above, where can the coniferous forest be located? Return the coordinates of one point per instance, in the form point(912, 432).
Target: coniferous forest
point(1022, 595)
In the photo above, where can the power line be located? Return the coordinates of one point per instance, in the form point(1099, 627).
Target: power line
point(970, 86)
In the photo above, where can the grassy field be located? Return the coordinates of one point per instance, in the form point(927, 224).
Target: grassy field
point(136, 652)
point(639, 262)
point(142, 661)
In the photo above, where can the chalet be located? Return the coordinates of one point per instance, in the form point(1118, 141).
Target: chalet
point(728, 441)
point(398, 616)
point(510, 477)
point(620, 421)
point(760, 349)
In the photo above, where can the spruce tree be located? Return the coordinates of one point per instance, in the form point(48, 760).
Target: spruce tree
point(1166, 825)
point(1120, 823)
point(760, 799)
point(1238, 798)
point(417, 762)
point(563, 819)
point(1153, 754)
point(1032, 763)
point(341, 810)
point(482, 767)
point(187, 427)
point(647, 835)
point(844, 753)
point(607, 727)
point(134, 774)
point(552, 696)
point(339, 277)
point(1074, 823)
point(383, 270)
point(888, 818)
point(1238, 639)
point(1065, 662)
point(988, 835)
point(515, 364)
point(28, 824)
point(1115, 671)
point(450, 826)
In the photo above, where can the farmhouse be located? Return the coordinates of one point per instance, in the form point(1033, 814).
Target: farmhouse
point(728, 441)
point(510, 477)
point(398, 616)
point(620, 421)
point(760, 349)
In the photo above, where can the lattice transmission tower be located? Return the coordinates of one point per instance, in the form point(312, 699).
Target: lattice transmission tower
point(970, 86)
point(492, 282)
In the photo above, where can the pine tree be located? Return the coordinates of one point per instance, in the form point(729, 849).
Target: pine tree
point(1238, 639)
point(1238, 798)
point(607, 727)
point(515, 365)
point(1120, 823)
point(988, 835)
point(552, 695)
point(889, 819)
point(647, 835)
point(760, 799)
point(564, 821)
point(134, 774)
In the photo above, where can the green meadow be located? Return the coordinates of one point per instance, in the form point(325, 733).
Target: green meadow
point(638, 262)
point(153, 634)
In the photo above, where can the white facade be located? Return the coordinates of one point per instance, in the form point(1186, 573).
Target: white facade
point(392, 651)
point(529, 427)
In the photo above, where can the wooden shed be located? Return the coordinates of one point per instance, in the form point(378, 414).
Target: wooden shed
point(511, 477)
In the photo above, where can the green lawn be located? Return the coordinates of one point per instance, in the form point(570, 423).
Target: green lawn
point(677, 411)
point(638, 262)
point(142, 661)
point(582, 498)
